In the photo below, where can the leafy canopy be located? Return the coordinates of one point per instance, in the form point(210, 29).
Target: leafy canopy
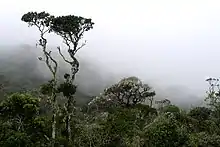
point(71, 27)
point(22, 105)
point(128, 92)
point(41, 20)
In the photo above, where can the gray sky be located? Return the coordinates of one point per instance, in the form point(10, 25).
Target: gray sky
point(166, 42)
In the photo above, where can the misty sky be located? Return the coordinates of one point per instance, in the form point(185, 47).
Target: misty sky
point(165, 42)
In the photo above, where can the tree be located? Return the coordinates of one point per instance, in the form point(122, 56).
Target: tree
point(164, 131)
point(171, 108)
point(128, 92)
point(200, 113)
point(20, 108)
point(43, 21)
point(213, 93)
point(162, 103)
point(71, 28)
point(213, 97)
point(21, 123)
point(120, 127)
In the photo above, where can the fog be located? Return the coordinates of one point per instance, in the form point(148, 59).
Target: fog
point(172, 45)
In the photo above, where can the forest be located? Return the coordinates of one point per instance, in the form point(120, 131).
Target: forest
point(51, 110)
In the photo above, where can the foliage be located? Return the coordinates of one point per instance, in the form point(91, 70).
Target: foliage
point(203, 139)
point(40, 19)
point(75, 24)
point(200, 113)
point(22, 106)
point(17, 139)
point(21, 123)
point(164, 131)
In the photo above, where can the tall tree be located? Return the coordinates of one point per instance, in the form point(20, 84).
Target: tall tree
point(71, 28)
point(43, 21)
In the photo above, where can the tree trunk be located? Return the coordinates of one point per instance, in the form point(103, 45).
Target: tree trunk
point(68, 126)
point(68, 118)
point(54, 105)
point(53, 129)
point(151, 103)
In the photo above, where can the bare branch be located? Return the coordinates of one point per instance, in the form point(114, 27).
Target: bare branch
point(83, 44)
point(63, 56)
point(67, 43)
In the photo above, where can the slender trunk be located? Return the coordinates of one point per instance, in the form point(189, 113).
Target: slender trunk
point(69, 128)
point(53, 69)
point(54, 105)
point(68, 119)
point(151, 103)
point(53, 129)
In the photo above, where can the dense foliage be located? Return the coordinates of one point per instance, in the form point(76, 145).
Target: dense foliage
point(126, 114)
